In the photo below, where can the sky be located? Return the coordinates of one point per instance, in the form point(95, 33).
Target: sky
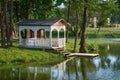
point(61, 6)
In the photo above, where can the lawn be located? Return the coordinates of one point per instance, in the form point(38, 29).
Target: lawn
point(103, 33)
point(16, 54)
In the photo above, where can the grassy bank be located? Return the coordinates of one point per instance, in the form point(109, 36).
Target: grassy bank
point(15, 54)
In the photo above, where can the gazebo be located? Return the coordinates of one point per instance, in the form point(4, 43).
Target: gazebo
point(45, 34)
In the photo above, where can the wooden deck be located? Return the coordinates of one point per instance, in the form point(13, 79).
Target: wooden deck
point(81, 55)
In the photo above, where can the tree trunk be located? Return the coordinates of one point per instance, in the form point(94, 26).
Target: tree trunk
point(76, 29)
point(11, 23)
point(27, 16)
point(76, 69)
point(2, 29)
point(6, 20)
point(75, 42)
point(83, 29)
point(27, 9)
point(17, 9)
point(68, 15)
point(83, 68)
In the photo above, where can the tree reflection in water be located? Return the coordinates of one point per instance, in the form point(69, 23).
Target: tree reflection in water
point(83, 68)
point(76, 69)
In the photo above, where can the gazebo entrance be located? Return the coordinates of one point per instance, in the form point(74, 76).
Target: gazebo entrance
point(42, 36)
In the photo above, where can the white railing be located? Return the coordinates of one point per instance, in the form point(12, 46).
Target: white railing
point(61, 42)
point(54, 42)
point(27, 42)
point(58, 42)
point(42, 42)
point(32, 42)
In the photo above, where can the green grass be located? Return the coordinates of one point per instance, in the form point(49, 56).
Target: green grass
point(91, 45)
point(15, 54)
point(103, 33)
point(70, 45)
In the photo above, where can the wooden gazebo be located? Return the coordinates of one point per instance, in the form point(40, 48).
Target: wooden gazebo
point(42, 33)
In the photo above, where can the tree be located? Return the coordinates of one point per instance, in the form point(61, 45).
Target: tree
point(8, 9)
point(40, 9)
point(115, 18)
point(6, 20)
point(2, 27)
point(11, 23)
point(73, 16)
point(106, 10)
point(68, 17)
point(16, 4)
point(83, 28)
point(76, 11)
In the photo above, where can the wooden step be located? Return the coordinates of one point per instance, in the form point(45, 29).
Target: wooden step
point(59, 49)
point(62, 52)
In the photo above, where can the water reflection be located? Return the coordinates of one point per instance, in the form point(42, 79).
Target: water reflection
point(104, 67)
point(104, 50)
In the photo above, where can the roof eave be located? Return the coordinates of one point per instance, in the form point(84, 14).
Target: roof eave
point(32, 25)
point(66, 23)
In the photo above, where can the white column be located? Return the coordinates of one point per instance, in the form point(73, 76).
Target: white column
point(35, 37)
point(50, 35)
point(19, 36)
point(64, 37)
point(58, 38)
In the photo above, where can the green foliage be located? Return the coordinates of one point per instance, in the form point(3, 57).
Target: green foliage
point(92, 46)
point(104, 49)
point(59, 2)
point(38, 9)
point(106, 10)
point(70, 46)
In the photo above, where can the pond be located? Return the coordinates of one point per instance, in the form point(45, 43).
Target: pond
point(104, 67)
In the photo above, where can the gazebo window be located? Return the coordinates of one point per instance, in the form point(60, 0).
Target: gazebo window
point(55, 38)
point(54, 33)
point(61, 33)
point(47, 34)
point(27, 33)
point(41, 33)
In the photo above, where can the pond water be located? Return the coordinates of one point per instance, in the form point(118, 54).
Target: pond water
point(104, 67)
